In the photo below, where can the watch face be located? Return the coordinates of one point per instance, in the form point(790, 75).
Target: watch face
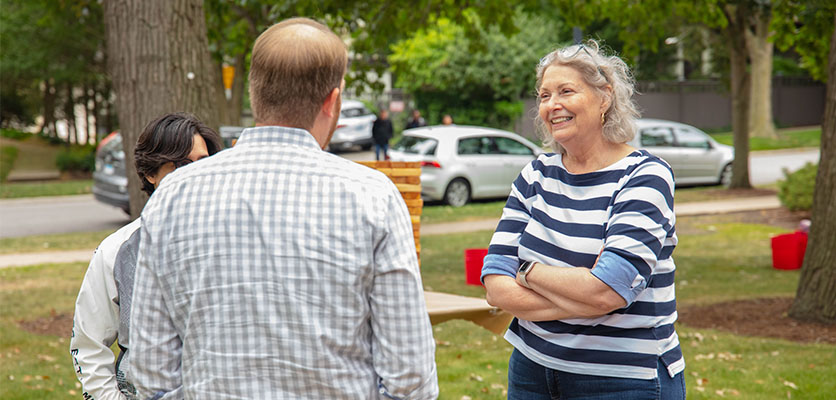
point(525, 266)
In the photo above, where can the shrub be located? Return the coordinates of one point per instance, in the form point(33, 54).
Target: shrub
point(14, 134)
point(796, 190)
point(77, 158)
point(8, 155)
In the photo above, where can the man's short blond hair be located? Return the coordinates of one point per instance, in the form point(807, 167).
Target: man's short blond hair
point(294, 67)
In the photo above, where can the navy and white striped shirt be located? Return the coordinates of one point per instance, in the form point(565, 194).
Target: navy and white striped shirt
point(562, 219)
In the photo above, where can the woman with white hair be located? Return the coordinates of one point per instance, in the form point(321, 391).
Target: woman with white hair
point(582, 254)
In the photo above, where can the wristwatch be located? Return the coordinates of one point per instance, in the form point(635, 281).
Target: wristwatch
point(525, 268)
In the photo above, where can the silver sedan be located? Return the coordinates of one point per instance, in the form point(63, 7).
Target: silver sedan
point(695, 157)
point(461, 163)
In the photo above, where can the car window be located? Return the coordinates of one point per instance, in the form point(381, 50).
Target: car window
point(687, 137)
point(656, 136)
point(512, 147)
point(416, 145)
point(354, 112)
point(470, 146)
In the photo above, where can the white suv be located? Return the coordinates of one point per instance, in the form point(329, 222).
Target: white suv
point(354, 127)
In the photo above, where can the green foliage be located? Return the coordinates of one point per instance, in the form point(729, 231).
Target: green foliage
point(8, 155)
point(439, 66)
point(796, 190)
point(61, 42)
point(806, 27)
point(14, 134)
point(77, 158)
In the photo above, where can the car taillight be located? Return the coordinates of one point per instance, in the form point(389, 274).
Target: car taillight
point(106, 139)
point(433, 164)
point(341, 126)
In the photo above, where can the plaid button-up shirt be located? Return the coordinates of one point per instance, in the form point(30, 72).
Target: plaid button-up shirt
point(277, 270)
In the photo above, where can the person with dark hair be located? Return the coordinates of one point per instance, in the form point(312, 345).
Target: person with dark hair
point(277, 269)
point(382, 133)
point(103, 305)
point(416, 121)
point(447, 119)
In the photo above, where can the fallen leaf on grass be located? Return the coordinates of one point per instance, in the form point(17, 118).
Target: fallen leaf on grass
point(790, 384)
point(700, 389)
point(44, 357)
point(476, 378)
point(497, 386)
point(466, 398)
point(702, 381)
point(72, 392)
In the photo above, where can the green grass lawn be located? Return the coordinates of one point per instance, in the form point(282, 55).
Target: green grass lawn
point(472, 361)
point(787, 139)
point(16, 190)
point(35, 154)
point(60, 241)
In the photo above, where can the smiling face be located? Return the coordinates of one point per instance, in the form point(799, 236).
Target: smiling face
point(569, 107)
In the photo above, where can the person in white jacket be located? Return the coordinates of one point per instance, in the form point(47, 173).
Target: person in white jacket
point(102, 311)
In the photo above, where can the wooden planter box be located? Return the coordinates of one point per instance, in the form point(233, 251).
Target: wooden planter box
point(407, 177)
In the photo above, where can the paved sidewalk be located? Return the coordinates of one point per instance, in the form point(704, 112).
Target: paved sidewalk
point(684, 209)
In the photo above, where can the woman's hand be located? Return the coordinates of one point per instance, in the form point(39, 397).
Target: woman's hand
point(503, 292)
point(575, 290)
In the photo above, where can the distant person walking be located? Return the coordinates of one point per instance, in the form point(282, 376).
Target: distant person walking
point(277, 270)
point(381, 133)
point(416, 121)
point(102, 310)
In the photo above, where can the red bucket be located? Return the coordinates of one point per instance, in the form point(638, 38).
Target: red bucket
point(473, 259)
point(788, 250)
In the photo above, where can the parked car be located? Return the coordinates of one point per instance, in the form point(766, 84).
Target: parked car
point(696, 159)
point(460, 163)
point(110, 182)
point(354, 128)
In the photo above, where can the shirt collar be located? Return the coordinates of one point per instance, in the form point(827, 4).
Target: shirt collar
point(262, 135)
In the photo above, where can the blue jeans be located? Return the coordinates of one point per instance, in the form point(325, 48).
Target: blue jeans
point(528, 380)
point(381, 147)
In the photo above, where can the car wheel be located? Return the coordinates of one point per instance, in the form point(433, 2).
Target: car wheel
point(726, 175)
point(457, 193)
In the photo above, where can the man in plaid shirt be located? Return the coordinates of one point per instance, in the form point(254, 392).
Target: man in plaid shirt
point(275, 269)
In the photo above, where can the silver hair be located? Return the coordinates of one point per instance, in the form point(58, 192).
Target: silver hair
point(598, 70)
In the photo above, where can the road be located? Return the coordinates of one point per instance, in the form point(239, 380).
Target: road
point(65, 214)
point(24, 217)
point(767, 166)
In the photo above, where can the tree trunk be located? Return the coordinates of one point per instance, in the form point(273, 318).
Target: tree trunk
point(110, 118)
point(815, 299)
point(760, 48)
point(158, 56)
point(49, 109)
point(86, 100)
point(740, 92)
point(69, 114)
point(97, 113)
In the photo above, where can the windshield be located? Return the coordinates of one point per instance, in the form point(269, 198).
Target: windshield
point(416, 145)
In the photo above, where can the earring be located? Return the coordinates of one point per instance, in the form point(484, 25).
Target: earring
point(602, 119)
